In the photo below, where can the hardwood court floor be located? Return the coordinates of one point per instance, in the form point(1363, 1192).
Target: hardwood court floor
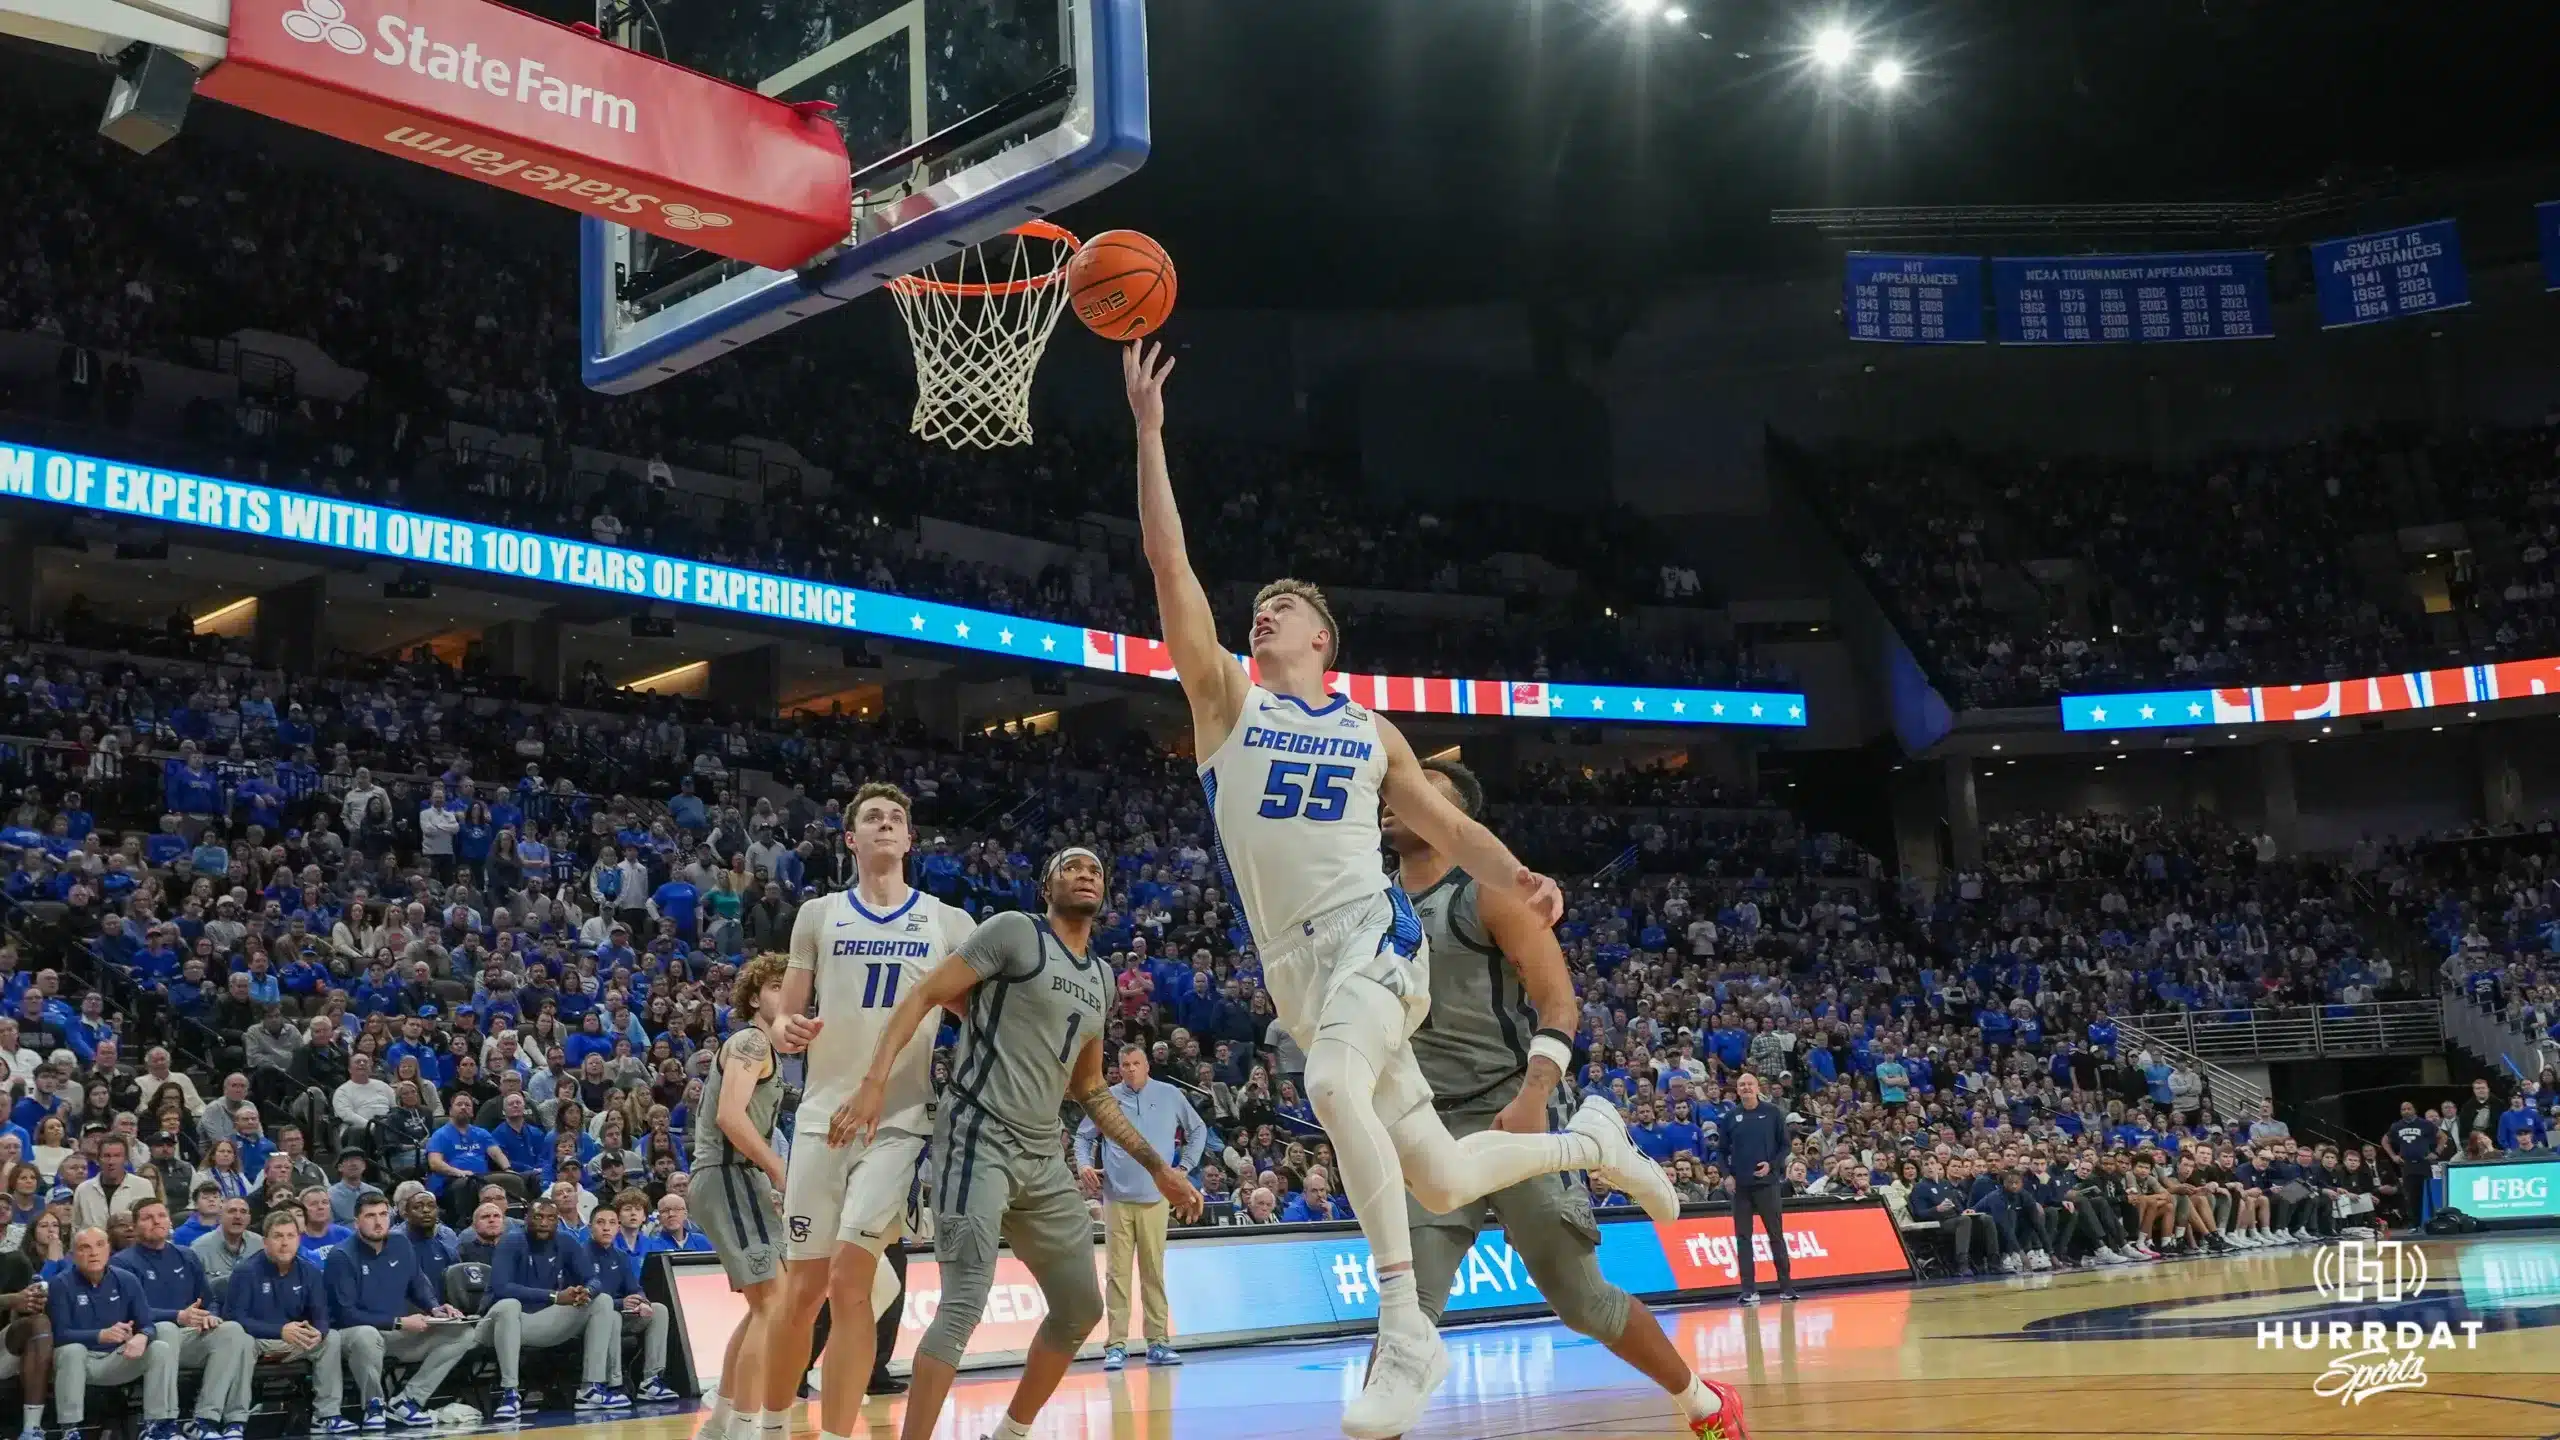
point(2165, 1350)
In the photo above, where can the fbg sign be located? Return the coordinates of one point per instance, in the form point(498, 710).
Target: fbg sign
point(506, 99)
point(2521, 1190)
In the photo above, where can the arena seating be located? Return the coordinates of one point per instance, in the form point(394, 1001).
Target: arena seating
point(463, 412)
point(2269, 567)
point(1707, 933)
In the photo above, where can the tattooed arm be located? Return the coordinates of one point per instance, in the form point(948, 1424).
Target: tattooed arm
point(744, 1063)
point(1090, 1091)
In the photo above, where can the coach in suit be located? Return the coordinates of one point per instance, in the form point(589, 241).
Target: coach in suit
point(1756, 1143)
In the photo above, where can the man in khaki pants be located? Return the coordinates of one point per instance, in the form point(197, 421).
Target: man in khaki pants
point(1133, 1210)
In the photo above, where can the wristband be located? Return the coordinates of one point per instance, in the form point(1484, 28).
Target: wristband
point(1556, 1046)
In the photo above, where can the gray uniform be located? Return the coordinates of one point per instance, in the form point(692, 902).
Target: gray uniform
point(999, 1159)
point(732, 1197)
point(1474, 1049)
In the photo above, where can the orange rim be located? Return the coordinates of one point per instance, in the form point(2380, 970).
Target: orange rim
point(927, 283)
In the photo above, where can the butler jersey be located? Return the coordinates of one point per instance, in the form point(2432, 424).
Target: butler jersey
point(1293, 799)
point(863, 962)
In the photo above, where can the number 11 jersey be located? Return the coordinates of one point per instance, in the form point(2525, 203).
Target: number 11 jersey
point(1293, 806)
point(863, 962)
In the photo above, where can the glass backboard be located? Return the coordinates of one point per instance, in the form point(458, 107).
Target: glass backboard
point(961, 118)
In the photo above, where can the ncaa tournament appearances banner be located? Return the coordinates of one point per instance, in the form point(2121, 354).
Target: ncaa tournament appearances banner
point(2113, 299)
point(2390, 274)
point(2546, 227)
point(135, 492)
point(1914, 299)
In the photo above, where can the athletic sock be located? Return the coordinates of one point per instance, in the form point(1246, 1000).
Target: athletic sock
point(1008, 1428)
point(1697, 1402)
point(1397, 1302)
point(773, 1424)
point(33, 1417)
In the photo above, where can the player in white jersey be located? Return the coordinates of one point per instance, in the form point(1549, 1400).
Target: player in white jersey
point(857, 952)
point(1295, 775)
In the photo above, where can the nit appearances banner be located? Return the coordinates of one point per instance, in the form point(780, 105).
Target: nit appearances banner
point(2390, 274)
point(2116, 299)
point(2546, 227)
point(1914, 299)
point(134, 492)
point(2325, 700)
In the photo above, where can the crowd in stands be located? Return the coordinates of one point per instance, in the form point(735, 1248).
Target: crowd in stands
point(2243, 568)
point(407, 950)
point(458, 318)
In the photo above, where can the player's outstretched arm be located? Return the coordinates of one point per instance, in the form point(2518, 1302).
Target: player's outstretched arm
point(1086, 1084)
point(798, 1027)
point(1453, 833)
point(1211, 678)
point(1529, 943)
point(742, 1065)
point(859, 1116)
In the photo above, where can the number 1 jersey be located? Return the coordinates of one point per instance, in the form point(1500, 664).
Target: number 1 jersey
point(1293, 802)
point(863, 962)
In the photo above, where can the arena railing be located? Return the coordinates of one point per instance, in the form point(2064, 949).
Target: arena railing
point(2396, 1027)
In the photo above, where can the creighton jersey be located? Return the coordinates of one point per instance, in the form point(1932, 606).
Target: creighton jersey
point(1036, 1004)
point(1476, 1040)
point(710, 1143)
point(1293, 798)
point(864, 962)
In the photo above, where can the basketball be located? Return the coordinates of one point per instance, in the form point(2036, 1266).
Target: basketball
point(1121, 285)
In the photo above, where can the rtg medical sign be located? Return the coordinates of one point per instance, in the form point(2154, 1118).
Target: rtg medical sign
point(2325, 700)
point(550, 111)
point(137, 492)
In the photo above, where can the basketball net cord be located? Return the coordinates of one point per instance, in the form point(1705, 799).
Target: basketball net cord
point(979, 326)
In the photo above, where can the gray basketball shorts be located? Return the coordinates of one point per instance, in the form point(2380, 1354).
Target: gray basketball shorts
point(1547, 1222)
point(991, 1187)
point(734, 1204)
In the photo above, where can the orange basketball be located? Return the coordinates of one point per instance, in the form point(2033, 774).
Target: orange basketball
point(1121, 285)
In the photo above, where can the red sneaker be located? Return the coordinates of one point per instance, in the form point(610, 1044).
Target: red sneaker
point(1726, 1423)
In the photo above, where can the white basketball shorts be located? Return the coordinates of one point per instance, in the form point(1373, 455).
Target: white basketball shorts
point(857, 1195)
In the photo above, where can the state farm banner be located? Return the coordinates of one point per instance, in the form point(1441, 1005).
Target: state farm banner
point(508, 99)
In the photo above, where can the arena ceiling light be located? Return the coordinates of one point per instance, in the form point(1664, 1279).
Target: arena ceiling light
point(1833, 47)
point(1887, 75)
point(1675, 16)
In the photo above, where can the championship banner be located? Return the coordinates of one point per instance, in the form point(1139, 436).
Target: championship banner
point(2116, 299)
point(551, 111)
point(135, 492)
point(2323, 700)
point(2390, 274)
point(1239, 1286)
point(1913, 299)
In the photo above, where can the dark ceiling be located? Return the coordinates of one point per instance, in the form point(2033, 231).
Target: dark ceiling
point(1417, 151)
point(1413, 152)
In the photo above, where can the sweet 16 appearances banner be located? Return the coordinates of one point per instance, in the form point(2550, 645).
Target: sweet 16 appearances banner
point(135, 492)
point(2327, 700)
point(1237, 1287)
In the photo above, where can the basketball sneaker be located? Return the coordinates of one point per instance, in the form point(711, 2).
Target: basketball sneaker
point(1726, 1423)
point(1404, 1370)
point(1623, 1167)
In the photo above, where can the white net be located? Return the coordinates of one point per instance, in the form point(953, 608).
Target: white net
point(979, 324)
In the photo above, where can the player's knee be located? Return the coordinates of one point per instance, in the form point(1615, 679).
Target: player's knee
point(1592, 1307)
point(1336, 1076)
point(1072, 1316)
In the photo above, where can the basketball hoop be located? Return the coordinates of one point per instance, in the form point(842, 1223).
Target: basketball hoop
point(979, 333)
